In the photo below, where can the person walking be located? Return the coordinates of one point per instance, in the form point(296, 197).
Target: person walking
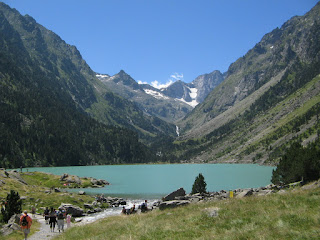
point(52, 219)
point(61, 217)
point(68, 220)
point(25, 223)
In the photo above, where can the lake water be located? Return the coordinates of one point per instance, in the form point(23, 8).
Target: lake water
point(156, 181)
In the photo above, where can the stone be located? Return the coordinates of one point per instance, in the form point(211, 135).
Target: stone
point(178, 193)
point(245, 193)
point(64, 176)
point(75, 211)
point(212, 212)
point(87, 205)
point(82, 193)
point(172, 204)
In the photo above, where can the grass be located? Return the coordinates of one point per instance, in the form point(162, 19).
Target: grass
point(37, 194)
point(19, 234)
point(293, 215)
point(36, 191)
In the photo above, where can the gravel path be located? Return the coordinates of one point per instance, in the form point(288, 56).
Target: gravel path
point(44, 232)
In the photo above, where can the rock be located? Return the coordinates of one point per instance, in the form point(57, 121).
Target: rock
point(172, 204)
point(212, 212)
point(99, 182)
point(14, 219)
point(245, 193)
point(73, 179)
point(57, 190)
point(75, 211)
point(82, 193)
point(2, 182)
point(98, 210)
point(64, 176)
point(15, 175)
point(87, 205)
point(178, 193)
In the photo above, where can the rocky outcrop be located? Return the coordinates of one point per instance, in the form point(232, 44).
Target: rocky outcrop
point(13, 224)
point(178, 193)
point(75, 211)
point(173, 204)
point(170, 202)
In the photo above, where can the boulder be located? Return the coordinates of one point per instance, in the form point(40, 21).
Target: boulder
point(15, 218)
point(87, 205)
point(75, 211)
point(172, 204)
point(213, 212)
point(64, 176)
point(178, 193)
point(73, 179)
point(245, 193)
point(13, 224)
point(82, 193)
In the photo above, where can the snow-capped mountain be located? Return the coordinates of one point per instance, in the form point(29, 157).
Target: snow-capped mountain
point(170, 103)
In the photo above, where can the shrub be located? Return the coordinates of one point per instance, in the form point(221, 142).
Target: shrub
point(11, 206)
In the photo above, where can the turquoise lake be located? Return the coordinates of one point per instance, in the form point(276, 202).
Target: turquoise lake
point(156, 181)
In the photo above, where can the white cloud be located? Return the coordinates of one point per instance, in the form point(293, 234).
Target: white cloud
point(173, 78)
point(177, 76)
point(140, 82)
point(158, 85)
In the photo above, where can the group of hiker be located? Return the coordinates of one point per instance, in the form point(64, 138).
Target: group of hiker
point(52, 217)
point(143, 207)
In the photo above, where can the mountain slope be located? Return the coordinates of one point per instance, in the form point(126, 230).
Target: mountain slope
point(249, 115)
point(47, 95)
point(64, 65)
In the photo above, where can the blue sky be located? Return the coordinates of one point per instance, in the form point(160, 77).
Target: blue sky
point(161, 40)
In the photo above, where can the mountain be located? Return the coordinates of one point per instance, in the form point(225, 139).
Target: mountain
point(171, 103)
point(149, 99)
point(54, 111)
point(195, 92)
point(269, 98)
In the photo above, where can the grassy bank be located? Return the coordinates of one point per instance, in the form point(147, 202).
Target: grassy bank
point(38, 191)
point(291, 215)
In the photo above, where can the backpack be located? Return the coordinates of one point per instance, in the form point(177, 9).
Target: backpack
point(60, 215)
point(24, 221)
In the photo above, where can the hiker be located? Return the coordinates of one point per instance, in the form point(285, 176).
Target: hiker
point(25, 223)
point(33, 211)
point(52, 219)
point(123, 210)
point(133, 209)
point(144, 206)
point(68, 220)
point(46, 215)
point(61, 217)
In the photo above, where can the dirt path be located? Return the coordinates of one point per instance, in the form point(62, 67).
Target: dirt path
point(44, 231)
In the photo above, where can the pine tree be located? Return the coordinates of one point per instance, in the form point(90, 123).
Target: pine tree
point(199, 185)
point(12, 206)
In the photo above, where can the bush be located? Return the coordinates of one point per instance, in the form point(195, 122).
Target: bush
point(199, 185)
point(11, 206)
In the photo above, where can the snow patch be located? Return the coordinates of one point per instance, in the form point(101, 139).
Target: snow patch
point(193, 93)
point(155, 94)
point(193, 103)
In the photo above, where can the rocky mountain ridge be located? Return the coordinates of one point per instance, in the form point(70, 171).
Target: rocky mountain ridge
point(171, 103)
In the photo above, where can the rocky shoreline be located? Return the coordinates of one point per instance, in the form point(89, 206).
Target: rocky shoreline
point(180, 198)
